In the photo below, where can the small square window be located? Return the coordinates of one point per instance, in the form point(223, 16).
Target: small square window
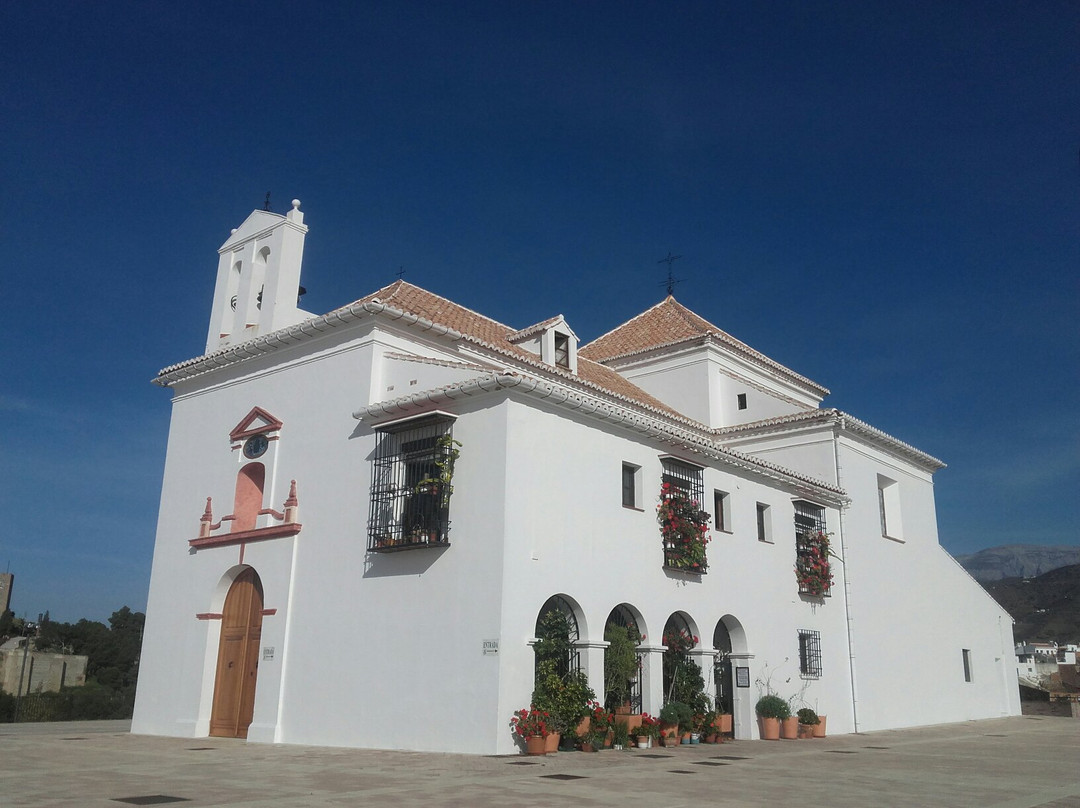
point(631, 490)
point(722, 511)
point(764, 522)
point(810, 653)
point(742, 401)
point(967, 664)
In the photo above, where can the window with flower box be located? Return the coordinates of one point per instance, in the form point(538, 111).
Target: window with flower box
point(411, 484)
point(684, 526)
point(812, 564)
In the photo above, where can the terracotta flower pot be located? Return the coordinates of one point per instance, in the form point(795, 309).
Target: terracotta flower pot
point(789, 728)
point(806, 731)
point(725, 722)
point(819, 728)
point(769, 729)
point(536, 745)
point(552, 743)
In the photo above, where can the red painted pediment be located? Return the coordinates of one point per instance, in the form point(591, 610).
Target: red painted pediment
point(256, 422)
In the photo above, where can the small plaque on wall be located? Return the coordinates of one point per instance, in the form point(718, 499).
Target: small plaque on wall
point(742, 677)
point(491, 647)
point(268, 653)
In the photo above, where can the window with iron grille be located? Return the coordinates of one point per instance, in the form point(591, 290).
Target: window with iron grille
point(812, 555)
point(685, 477)
point(412, 470)
point(810, 653)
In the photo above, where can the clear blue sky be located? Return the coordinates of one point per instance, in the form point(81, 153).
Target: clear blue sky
point(883, 197)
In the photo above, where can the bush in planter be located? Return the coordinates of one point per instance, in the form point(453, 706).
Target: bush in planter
point(622, 735)
point(808, 716)
point(773, 706)
point(565, 698)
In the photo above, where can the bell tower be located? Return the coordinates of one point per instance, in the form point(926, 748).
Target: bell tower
point(258, 278)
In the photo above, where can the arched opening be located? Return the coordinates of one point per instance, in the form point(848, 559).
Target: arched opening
point(238, 657)
point(683, 679)
point(622, 661)
point(557, 634)
point(722, 669)
point(248, 500)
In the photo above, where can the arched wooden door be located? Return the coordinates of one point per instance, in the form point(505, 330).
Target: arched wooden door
point(238, 657)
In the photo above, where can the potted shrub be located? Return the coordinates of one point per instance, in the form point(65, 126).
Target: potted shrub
point(601, 723)
point(710, 730)
point(808, 719)
point(771, 710)
point(564, 698)
point(531, 727)
point(669, 723)
point(648, 730)
point(819, 727)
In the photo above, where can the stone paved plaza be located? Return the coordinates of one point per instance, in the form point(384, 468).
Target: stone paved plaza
point(1002, 763)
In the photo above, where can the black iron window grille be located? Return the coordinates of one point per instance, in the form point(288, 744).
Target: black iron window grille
point(810, 653)
point(812, 556)
point(411, 485)
point(684, 539)
point(686, 478)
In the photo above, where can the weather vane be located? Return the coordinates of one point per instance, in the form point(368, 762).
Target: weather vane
point(400, 273)
point(671, 280)
point(266, 204)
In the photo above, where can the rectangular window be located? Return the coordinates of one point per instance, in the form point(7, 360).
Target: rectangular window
point(742, 401)
point(630, 488)
point(967, 664)
point(764, 523)
point(685, 477)
point(812, 555)
point(722, 511)
point(412, 469)
point(889, 508)
point(809, 654)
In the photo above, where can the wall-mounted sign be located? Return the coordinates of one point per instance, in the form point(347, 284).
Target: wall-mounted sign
point(491, 647)
point(268, 654)
point(742, 677)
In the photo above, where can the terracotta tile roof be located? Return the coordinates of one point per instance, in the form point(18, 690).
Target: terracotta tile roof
point(497, 336)
point(670, 323)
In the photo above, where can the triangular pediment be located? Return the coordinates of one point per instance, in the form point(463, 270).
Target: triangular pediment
point(258, 222)
point(256, 422)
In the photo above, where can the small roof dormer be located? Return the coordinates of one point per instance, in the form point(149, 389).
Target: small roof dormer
point(552, 340)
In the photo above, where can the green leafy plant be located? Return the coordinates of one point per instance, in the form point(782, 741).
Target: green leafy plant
point(808, 716)
point(565, 697)
point(622, 734)
point(620, 663)
point(772, 706)
point(531, 723)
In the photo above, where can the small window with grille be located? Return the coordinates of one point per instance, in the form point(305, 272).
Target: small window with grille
point(685, 477)
point(809, 654)
point(411, 485)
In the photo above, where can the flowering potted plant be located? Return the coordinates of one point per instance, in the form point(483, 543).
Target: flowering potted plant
point(601, 723)
point(684, 528)
point(771, 710)
point(647, 731)
point(531, 726)
point(812, 564)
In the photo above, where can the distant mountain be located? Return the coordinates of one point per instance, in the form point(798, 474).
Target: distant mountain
point(1046, 608)
point(1017, 561)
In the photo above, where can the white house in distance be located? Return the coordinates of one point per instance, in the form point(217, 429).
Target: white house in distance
point(317, 579)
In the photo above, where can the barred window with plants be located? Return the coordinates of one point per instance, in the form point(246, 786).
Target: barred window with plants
point(411, 485)
point(812, 554)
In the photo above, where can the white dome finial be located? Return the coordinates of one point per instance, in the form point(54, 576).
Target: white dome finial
point(296, 204)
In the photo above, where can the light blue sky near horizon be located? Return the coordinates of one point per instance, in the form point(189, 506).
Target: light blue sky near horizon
point(882, 197)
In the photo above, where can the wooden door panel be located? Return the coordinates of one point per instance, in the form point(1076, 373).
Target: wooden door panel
point(238, 658)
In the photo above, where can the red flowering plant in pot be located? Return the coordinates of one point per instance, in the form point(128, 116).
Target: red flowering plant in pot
point(684, 528)
point(812, 569)
point(601, 724)
point(530, 723)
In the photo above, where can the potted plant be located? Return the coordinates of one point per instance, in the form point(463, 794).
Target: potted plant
point(709, 727)
point(808, 719)
point(531, 727)
point(621, 736)
point(564, 698)
point(669, 723)
point(819, 727)
point(601, 722)
point(812, 569)
point(684, 529)
point(771, 710)
point(647, 731)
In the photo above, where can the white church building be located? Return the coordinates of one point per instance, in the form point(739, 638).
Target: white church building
point(365, 512)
